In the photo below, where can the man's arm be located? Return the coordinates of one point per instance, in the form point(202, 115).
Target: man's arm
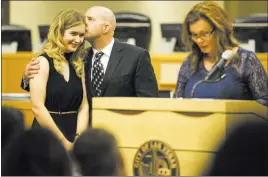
point(31, 69)
point(25, 85)
point(145, 80)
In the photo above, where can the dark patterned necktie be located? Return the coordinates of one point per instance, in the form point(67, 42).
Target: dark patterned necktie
point(97, 74)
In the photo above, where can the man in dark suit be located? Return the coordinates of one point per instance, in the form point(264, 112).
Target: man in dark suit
point(112, 68)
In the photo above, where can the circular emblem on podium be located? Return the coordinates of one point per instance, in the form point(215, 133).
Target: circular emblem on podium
point(155, 158)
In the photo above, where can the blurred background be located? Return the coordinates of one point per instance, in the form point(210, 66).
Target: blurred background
point(153, 25)
point(163, 19)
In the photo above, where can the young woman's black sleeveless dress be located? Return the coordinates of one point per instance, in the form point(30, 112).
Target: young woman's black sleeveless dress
point(63, 96)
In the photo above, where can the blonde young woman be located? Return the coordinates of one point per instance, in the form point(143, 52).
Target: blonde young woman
point(57, 91)
point(207, 32)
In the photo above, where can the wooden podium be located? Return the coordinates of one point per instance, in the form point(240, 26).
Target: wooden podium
point(171, 136)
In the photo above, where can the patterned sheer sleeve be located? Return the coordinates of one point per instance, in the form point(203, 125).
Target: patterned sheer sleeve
point(183, 76)
point(256, 77)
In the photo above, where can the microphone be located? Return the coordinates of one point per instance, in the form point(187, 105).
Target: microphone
point(217, 69)
point(215, 75)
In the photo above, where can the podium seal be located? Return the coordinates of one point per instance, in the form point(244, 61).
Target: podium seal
point(155, 158)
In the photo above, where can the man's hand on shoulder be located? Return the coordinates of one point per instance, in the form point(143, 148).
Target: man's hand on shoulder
point(31, 69)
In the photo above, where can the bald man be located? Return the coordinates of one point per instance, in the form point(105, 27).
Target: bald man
point(112, 68)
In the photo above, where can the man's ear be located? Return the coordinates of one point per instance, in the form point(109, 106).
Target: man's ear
point(106, 28)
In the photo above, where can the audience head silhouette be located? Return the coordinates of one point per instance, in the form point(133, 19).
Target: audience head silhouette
point(244, 152)
point(12, 125)
point(97, 153)
point(36, 152)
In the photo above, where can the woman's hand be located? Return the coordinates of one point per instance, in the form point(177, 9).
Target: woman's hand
point(67, 144)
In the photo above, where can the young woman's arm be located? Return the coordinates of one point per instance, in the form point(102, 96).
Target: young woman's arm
point(83, 112)
point(38, 95)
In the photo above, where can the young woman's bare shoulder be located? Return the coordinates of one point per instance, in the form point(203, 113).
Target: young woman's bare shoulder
point(43, 62)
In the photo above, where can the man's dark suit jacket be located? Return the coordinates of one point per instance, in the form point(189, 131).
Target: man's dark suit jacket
point(129, 73)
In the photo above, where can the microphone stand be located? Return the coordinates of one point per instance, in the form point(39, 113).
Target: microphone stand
point(205, 81)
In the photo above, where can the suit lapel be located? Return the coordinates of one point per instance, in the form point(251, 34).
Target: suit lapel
point(88, 64)
point(114, 59)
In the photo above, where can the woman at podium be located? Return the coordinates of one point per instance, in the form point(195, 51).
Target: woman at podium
point(205, 73)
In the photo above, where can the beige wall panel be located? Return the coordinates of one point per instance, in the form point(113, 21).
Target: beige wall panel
point(33, 13)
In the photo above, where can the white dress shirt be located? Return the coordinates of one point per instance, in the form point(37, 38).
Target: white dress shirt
point(105, 58)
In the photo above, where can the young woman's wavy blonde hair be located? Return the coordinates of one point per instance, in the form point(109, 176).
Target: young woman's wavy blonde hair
point(55, 48)
point(223, 33)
